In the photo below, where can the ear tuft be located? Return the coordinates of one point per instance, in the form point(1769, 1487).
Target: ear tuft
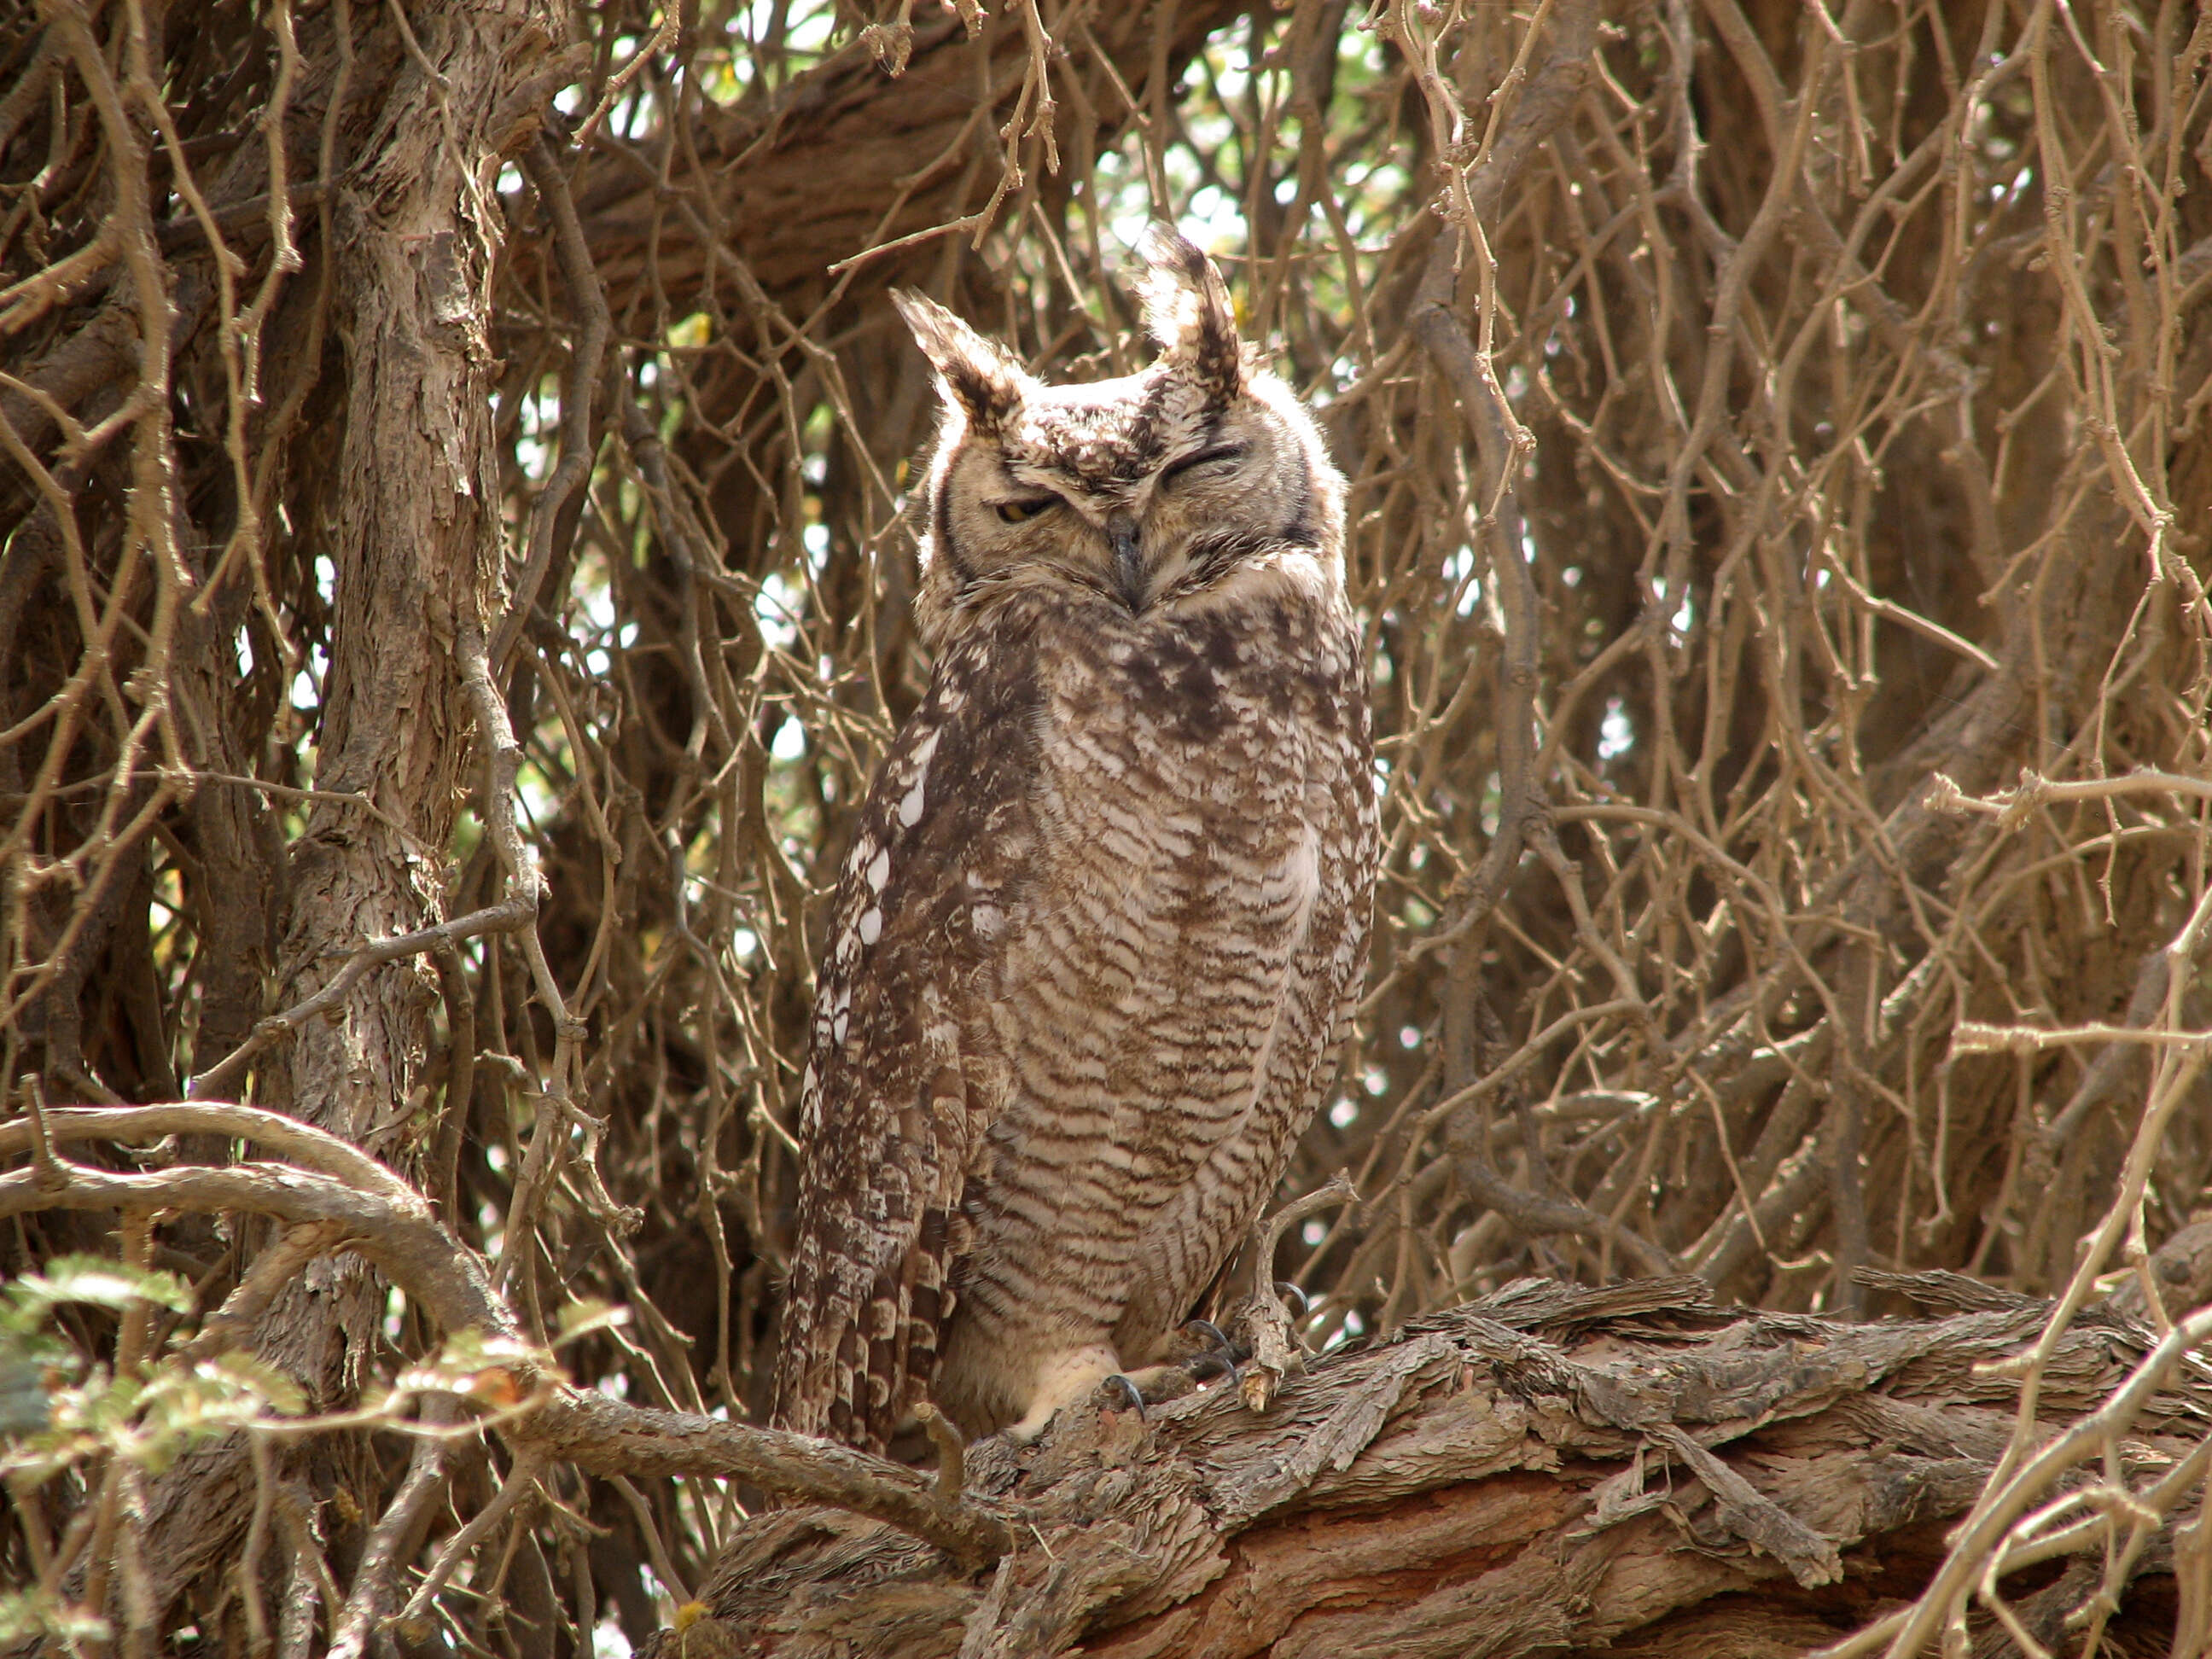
point(976, 372)
point(1187, 310)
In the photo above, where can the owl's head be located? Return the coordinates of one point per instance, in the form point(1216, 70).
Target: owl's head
point(1145, 490)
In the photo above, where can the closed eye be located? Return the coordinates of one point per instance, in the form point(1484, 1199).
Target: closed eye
point(1021, 511)
point(1218, 453)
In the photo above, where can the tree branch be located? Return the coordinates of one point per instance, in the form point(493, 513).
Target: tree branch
point(364, 1207)
point(1550, 1468)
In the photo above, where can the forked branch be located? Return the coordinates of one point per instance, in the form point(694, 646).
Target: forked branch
point(356, 1204)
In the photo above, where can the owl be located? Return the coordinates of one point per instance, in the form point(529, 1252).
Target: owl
point(1106, 912)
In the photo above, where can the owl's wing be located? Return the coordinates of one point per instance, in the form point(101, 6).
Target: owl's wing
point(894, 1104)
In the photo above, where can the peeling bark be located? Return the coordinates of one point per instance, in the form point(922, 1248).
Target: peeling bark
point(1551, 1470)
point(410, 524)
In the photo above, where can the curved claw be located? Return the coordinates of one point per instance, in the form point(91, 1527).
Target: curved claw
point(1129, 1390)
point(1220, 1360)
point(1291, 1292)
point(1204, 1367)
point(1212, 1331)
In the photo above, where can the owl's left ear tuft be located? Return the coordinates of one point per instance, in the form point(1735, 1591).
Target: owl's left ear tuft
point(1187, 310)
point(977, 373)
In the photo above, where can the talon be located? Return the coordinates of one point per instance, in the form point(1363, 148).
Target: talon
point(1203, 1367)
point(1220, 1360)
point(1291, 1292)
point(1212, 1331)
point(1129, 1390)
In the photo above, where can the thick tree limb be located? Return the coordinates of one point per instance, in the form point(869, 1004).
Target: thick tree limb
point(1552, 1469)
point(908, 146)
point(1543, 1468)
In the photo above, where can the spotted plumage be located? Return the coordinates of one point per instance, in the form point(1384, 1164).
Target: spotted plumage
point(1105, 914)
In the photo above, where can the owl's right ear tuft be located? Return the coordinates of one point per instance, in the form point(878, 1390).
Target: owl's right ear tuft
point(976, 372)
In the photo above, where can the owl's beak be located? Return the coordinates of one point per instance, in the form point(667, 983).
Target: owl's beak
point(1129, 561)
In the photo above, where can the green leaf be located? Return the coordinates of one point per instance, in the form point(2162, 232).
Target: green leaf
point(265, 1382)
point(93, 1280)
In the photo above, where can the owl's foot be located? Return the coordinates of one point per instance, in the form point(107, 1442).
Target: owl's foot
point(1220, 1356)
point(1148, 1385)
point(1068, 1376)
point(1096, 1373)
point(1122, 1394)
point(1200, 1353)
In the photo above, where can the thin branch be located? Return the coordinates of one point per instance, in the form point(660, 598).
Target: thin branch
point(370, 1212)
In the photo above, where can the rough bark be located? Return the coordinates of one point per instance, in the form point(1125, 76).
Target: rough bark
point(410, 501)
point(1865, 360)
point(1551, 1469)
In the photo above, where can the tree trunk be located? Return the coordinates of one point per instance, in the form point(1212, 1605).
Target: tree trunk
point(407, 503)
point(1775, 448)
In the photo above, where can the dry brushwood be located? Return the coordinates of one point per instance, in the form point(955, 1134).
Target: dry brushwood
point(353, 1203)
point(1548, 1469)
point(454, 587)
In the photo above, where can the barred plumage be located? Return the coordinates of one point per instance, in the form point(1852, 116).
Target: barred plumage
point(1106, 914)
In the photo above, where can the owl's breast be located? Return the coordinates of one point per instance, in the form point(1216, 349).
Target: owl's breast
point(1210, 689)
point(1196, 797)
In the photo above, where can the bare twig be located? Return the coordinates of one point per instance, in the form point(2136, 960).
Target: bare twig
point(395, 1230)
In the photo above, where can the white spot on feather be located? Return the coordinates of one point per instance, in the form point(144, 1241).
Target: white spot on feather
point(909, 808)
point(871, 925)
point(1304, 871)
point(837, 1028)
point(879, 870)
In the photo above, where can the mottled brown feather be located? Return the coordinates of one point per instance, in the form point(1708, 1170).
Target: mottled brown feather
point(1105, 916)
